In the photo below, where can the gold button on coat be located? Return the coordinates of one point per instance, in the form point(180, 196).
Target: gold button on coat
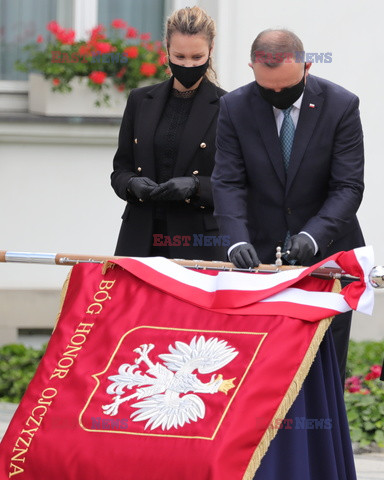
point(195, 172)
point(135, 140)
point(139, 169)
point(203, 145)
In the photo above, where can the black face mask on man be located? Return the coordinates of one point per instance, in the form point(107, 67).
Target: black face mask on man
point(188, 76)
point(286, 97)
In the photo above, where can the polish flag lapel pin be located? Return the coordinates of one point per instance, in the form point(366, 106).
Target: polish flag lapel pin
point(312, 105)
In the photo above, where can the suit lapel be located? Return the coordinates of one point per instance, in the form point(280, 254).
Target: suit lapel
point(309, 114)
point(148, 118)
point(267, 127)
point(202, 113)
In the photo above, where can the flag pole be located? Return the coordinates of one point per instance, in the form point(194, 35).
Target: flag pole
point(376, 276)
point(72, 259)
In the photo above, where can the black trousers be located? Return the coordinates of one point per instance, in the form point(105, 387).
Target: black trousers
point(341, 328)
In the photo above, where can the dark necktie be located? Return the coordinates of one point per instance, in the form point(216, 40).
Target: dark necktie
point(287, 134)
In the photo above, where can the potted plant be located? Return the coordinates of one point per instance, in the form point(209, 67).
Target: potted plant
point(104, 68)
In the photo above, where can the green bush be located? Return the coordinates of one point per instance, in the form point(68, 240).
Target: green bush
point(361, 355)
point(364, 395)
point(17, 367)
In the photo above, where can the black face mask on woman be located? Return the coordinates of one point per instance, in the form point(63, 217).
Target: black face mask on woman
point(286, 97)
point(188, 76)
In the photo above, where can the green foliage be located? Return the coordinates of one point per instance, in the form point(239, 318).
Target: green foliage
point(361, 355)
point(364, 395)
point(17, 367)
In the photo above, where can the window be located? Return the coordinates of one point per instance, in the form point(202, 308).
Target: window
point(21, 21)
point(145, 15)
point(19, 25)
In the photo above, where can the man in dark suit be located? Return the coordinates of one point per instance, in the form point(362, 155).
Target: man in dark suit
point(301, 195)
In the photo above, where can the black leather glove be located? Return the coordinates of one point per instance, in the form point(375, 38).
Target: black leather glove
point(178, 188)
point(244, 256)
point(141, 187)
point(301, 248)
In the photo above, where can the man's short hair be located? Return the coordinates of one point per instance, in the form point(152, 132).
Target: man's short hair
point(273, 47)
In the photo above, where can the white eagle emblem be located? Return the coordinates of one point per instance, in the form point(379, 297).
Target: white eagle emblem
point(163, 405)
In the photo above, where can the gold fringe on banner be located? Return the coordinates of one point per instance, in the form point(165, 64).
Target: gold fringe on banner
point(291, 394)
point(63, 294)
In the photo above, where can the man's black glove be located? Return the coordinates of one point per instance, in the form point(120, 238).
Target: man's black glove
point(176, 189)
point(141, 187)
point(244, 256)
point(301, 248)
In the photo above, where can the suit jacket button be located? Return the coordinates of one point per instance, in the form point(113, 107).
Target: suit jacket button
point(141, 200)
point(195, 172)
point(289, 211)
point(187, 200)
point(135, 141)
point(202, 206)
point(203, 145)
point(139, 169)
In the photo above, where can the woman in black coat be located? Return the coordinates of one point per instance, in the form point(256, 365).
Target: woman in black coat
point(166, 151)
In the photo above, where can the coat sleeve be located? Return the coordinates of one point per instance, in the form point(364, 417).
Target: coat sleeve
point(346, 181)
point(123, 159)
point(229, 180)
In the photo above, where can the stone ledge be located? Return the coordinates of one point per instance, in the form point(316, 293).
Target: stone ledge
point(58, 131)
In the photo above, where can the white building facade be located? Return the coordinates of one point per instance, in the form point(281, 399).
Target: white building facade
point(55, 191)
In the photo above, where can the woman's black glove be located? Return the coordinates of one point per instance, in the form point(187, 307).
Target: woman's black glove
point(176, 189)
point(141, 187)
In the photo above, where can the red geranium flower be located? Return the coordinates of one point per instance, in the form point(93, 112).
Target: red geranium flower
point(162, 58)
point(66, 37)
point(131, 32)
point(40, 39)
point(54, 27)
point(148, 69)
point(84, 50)
point(119, 23)
point(121, 72)
point(56, 81)
point(145, 36)
point(374, 373)
point(97, 33)
point(376, 369)
point(103, 47)
point(131, 52)
point(97, 77)
point(353, 384)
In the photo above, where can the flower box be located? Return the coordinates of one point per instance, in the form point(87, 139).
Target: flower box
point(79, 102)
point(90, 77)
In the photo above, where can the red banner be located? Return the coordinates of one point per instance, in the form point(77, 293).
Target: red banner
point(158, 372)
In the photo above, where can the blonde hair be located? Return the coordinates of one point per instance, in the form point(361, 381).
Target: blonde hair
point(192, 21)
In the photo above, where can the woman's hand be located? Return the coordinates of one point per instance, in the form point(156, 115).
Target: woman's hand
point(175, 189)
point(141, 187)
